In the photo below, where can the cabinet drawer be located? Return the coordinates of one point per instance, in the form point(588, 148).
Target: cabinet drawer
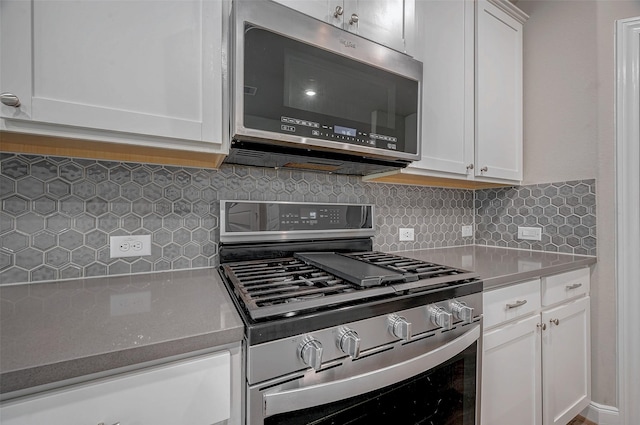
point(195, 392)
point(504, 304)
point(564, 286)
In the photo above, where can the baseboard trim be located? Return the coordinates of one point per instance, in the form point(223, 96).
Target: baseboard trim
point(602, 414)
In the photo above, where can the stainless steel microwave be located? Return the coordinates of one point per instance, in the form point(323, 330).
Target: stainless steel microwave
point(309, 95)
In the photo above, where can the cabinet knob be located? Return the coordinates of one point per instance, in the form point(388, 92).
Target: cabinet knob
point(542, 326)
point(10, 99)
point(469, 167)
point(354, 19)
point(555, 321)
point(339, 11)
point(484, 169)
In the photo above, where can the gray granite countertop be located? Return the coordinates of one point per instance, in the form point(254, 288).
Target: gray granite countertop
point(502, 266)
point(50, 332)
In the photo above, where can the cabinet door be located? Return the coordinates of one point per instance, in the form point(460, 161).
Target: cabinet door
point(498, 93)
point(382, 21)
point(511, 374)
point(444, 43)
point(195, 392)
point(136, 67)
point(324, 10)
point(566, 357)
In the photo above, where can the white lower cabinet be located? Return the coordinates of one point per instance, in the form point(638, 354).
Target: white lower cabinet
point(536, 367)
point(566, 354)
point(511, 389)
point(195, 392)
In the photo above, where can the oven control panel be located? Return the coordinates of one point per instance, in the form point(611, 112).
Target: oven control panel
point(324, 348)
point(276, 221)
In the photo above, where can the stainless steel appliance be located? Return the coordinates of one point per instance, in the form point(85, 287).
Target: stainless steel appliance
point(308, 95)
point(337, 333)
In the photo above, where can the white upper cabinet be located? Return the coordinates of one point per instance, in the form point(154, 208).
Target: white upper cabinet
point(388, 22)
point(472, 93)
point(152, 71)
point(498, 92)
point(444, 32)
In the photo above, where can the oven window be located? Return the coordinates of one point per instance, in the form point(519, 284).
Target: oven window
point(444, 395)
point(295, 88)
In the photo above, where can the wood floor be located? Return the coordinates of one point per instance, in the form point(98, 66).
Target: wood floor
point(580, 420)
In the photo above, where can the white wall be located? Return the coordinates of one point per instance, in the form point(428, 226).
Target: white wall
point(569, 134)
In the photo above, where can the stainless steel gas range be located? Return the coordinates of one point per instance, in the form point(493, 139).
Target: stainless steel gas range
point(339, 334)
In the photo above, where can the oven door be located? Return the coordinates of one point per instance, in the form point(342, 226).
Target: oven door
point(440, 387)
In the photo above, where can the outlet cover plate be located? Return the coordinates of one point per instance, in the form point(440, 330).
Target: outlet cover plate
point(406, 234)
point(530, 233)
point(467, 231)
point(130, 246)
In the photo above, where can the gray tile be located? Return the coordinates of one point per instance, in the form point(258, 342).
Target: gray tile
point(97, 173)
point(84, 189)
point(70, 239)
point(70, 272)
point(28, 258)
point(44, 170)
point(30, 222)
point(43, 240)
point(44, 205)
point(14, 275)
point(57, 223)
point(84, 223)
point(6, 260)
point(58, 188)
point(7, 186)
point(96, 239)
point(14, 168)
point(30, 187)
point(14, 241)
point(83, 256)
point(97, 206)
point(71, 172)
point(57, 257)
point(72, 206)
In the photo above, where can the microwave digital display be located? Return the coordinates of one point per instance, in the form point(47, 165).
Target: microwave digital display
point(344, 131)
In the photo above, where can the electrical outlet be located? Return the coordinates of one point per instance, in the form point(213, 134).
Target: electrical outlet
point(130, 246)
point(467, 231)
point(406, 234)
point(530, 233)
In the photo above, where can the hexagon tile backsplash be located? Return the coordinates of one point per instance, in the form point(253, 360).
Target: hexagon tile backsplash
point(58, 213)
point(566, 213)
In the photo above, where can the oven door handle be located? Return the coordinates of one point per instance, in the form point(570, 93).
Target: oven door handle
point(329, 392)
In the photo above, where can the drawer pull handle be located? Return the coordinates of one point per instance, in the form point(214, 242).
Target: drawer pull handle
point(555, 321)
point(574, 286)
point(516, 304)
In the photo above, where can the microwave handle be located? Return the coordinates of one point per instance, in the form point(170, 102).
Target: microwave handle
point(302, 398)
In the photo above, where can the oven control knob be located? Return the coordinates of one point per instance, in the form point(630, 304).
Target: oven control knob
point(440, 317)
point(349, 342)
point(399, 327)
point(462, 311)
point(310, 351)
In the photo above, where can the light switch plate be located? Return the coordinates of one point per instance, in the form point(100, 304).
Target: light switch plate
point(467, 231)
point(530, 233)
